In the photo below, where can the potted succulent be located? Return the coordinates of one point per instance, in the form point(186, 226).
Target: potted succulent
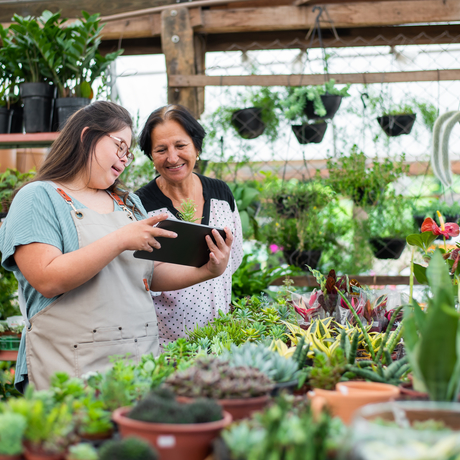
point(351, 176)
point(175, 429)
point(397, 120)
point(240, 390)
point(316, 103)
point(388, 225)
point(12, 427)
point(127, 449)
point(83, 451)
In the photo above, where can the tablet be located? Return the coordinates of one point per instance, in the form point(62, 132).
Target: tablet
point(189, 248)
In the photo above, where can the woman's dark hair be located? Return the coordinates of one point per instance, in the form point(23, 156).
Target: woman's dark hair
point(71, 152)
point(177, 113)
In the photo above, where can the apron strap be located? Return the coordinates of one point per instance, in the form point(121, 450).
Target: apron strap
point(22, 306)
point(120, 203)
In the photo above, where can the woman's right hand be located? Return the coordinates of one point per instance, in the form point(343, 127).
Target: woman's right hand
point(141, 235)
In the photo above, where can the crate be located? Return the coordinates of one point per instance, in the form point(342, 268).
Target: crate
point(9, 342)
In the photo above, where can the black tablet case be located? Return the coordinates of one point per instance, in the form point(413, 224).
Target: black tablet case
point(189, 248)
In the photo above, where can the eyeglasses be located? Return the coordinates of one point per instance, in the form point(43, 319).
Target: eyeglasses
point(123, 150)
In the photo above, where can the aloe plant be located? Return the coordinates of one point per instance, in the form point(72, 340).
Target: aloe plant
point(433, 339)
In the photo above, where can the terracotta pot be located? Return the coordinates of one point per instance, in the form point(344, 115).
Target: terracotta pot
point(7, 159)
point(27, 159)
point(30, 455)
point(10, 457)
point(350, 396)
point(97, 436)
point(244, 408)
point(173, 442)
point(407, 392)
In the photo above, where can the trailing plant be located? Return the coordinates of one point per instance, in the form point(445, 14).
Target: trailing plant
point(350, 176)
point(215, 378)
point(297, 98)
point(258, 356)
point(130, 448)
point(160, 406)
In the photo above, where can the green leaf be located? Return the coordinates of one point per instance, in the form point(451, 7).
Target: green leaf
point(420, 274)
point(85, 89)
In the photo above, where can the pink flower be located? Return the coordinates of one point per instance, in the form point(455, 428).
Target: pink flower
point(274, 248)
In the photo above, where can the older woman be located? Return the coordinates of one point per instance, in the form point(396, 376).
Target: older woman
point(173, 139)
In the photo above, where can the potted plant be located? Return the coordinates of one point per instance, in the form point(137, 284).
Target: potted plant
point(261, 117)
point(316, 103)
point(397, 120)
point(175, 429)
point(351, 176)
point(247, 201)
point(11, 180)
point(388, 225)
point(84, 451)
point(450, 211)
point(127, 449)
point(241, 391)
point(432, 339)
point(12, 427)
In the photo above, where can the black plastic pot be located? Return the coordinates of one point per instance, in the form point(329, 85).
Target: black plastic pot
point(302, 258)
point(38, 106)
point(309, 134)
point(387, 248)
point(17, 118)
point(395, 125)
point(67, 106)
point(419, 220)
point(288, 387)
point(5, 120)
point(248, 122)
point(331, 104)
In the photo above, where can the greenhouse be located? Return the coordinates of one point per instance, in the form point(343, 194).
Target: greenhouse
point(229, 230)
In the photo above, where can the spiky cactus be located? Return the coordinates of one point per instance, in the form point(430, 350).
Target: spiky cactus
point(214, 378)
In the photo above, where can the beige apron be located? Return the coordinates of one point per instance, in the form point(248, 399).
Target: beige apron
point(111, 314)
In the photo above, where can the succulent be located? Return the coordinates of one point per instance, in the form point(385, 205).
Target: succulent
point(127, 449)
point(12, 428)
point(160, 406)
point(271, 363)
point(215, 378)
point(82, 451)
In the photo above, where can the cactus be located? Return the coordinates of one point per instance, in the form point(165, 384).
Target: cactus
point(159, 407)
point(214, 378)
point(127, 449)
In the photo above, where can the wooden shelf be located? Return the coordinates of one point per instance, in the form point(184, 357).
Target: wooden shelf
point(8, 355)
point(28, 140)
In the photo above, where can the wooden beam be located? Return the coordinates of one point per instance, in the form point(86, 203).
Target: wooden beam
point(364, 280)
point(178, 47)
point(313, 79)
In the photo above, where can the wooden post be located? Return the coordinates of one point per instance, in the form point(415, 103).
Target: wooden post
point(178, 47)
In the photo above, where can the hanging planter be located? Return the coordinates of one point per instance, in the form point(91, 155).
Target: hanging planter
point(38, 106)
point(331, 104)
point(67, 106)
point(387, 248)
point(248, 122)
point(302, 258)
point(395, 125)
point(309, 133)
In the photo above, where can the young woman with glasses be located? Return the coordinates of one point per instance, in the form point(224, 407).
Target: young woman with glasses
point(69, 237)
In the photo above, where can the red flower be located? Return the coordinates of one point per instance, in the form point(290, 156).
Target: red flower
point(448, 229)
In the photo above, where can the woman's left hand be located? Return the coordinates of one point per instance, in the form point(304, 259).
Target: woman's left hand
point(220, 252)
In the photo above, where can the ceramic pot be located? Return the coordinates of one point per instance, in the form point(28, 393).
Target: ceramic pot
point(173, 442)
point(388, 248)
point(309, 133)
point(395, 125)
point(10, 457)
point(248, 122)
point(331, 104)
point(244, 408)
point(350, 396)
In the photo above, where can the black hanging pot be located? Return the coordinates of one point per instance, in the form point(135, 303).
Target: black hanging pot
point(67, 106)
point(5, 120)
point(370, 197)
point(38, 106)
point(395, 125)
point(309, 134)
point(302, 258)
point(331, 104)
point(388, 248)
point(419, 220)
point(248, 122)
